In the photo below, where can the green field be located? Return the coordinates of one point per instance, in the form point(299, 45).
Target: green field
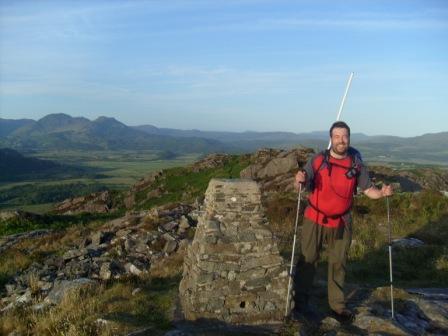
point(117, 170)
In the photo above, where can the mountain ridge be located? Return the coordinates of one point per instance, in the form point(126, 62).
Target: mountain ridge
point(61, 131)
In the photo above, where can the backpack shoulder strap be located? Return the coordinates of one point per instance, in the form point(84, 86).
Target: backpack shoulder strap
point(320, 161)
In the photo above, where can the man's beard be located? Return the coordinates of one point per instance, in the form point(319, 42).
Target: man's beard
point(340, 152)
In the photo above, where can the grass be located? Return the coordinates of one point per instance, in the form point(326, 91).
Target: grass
point(19, 225)
point(103, 310)
point(182, 184)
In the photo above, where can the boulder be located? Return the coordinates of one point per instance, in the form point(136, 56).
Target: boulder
point(61, 288)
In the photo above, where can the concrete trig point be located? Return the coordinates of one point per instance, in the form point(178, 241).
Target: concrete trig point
point(233, 271)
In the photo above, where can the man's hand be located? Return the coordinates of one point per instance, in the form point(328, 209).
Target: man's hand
point(300, 178)
point(387, 190)
point(375, 193)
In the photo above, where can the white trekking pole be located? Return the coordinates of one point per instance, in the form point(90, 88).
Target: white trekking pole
point(341, 107)
point(293, 250)
point(390, 258)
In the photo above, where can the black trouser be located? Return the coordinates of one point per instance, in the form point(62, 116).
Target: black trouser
point(338, 242)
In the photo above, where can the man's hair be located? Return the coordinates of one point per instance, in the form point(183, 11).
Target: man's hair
point(340, 124)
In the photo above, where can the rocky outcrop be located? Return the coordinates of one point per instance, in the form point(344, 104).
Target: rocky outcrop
point(130, 245)
point(7, 242)
point(101, 202)
point(211, 161)
point(233, 271)
point(141, 185)
point(274, 169)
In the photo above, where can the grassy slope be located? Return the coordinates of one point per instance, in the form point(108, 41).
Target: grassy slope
point(183, 184)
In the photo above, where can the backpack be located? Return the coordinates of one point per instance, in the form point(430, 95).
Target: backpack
point(322, 161)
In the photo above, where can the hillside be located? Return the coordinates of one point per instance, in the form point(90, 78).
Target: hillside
point(122, 253)
point(17, 167)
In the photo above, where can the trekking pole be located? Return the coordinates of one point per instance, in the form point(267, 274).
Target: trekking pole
point(390, 258)
point(343, 100)
point(293, 250)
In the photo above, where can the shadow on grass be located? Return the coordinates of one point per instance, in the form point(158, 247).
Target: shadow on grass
point(151, 307)
point(421, 266)
point(29, 222)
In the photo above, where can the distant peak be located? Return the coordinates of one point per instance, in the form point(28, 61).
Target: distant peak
point(56, 116)
point(111, 122)
point(103, 119)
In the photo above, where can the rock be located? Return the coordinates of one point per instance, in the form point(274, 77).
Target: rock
point(109, 270)
point(19, 301)
point(184, 224)
point(274, 169)
point(375, 324)
point(78, 268)
point(7, 242)
point(278, 166)
point(102, 322)
point(170, 226)
point(330, 323)
point(101, 237)
point(133, 269)
point(76, 253)
point(61, 288)
point(142, 332)
point(155, 193)
point(168, 237)
point(99, 202)
point(176, 332)
point(170, 246)
point(430, 293)
point(10, 288)
point(435, 311)
point(210, 161)
point(45, 285)
point(407, 242)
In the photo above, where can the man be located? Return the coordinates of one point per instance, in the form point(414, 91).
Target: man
point(332, 178)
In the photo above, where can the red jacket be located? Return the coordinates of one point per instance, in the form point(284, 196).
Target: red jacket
point(332, 194)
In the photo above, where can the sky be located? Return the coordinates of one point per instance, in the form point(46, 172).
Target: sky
point(229, 65)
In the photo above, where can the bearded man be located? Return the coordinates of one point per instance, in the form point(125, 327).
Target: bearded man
point(332, 178)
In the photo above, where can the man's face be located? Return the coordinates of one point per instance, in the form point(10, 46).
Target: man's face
point(340, 140)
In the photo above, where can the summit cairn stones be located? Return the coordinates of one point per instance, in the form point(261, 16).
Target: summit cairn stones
point(233, 271)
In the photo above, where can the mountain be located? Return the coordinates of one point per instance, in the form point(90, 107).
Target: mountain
point(61, 132)
point(8, 126)
point(249, 140)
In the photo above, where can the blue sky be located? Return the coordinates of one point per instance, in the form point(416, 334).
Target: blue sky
point(229, 65)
